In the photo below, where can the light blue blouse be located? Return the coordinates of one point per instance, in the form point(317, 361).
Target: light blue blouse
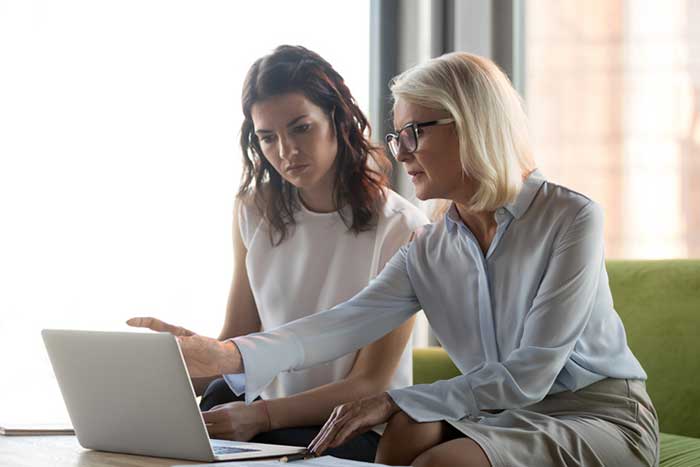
point(532, 317)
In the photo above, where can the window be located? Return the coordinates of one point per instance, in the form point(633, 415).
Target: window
point(119, 162)
point(613, 93)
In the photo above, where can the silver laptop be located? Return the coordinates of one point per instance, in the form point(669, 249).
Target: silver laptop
point(131, 393)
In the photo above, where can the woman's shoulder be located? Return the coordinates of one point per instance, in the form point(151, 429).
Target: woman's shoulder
point(562, 205)
point(397, 209)
point(249, 215)
point(566, 197)
point(246, 203)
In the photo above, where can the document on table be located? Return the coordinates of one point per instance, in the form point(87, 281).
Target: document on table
point(324, 461)
point(35, 429)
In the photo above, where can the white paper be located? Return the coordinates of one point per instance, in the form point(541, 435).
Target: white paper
point(324, 461)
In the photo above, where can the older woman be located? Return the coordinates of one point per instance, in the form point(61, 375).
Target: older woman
point(514, 285)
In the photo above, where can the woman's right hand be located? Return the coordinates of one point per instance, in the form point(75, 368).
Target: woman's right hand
point(157, 325)
point(351, 419)
point(204, 356)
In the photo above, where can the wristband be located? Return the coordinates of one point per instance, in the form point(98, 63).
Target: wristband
point(263, 402)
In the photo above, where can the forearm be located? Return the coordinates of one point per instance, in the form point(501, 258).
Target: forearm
point(378, 309)
point(313, 407)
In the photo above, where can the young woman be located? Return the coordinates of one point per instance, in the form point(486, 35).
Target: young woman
point(514, 285)
point(315, 222)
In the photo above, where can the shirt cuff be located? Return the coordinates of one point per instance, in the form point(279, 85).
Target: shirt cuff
point(265, 355)
point(236, 382)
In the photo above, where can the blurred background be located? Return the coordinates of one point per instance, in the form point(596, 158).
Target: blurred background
point(119, 125)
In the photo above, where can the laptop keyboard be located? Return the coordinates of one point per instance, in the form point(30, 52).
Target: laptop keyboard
point(221, 450)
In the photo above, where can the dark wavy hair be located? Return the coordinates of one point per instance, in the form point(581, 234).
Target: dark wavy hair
point(356, 183)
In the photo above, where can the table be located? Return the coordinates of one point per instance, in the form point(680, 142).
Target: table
point(64, 451)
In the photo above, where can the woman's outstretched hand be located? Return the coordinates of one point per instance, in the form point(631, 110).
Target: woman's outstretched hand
point(204, 356)
point(351, 419)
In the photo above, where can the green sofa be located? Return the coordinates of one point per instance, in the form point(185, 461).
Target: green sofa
point(659, 302)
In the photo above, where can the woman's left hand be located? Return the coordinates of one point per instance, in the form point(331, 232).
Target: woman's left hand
point(206, 356)
point(237, 421)
point(351, 419)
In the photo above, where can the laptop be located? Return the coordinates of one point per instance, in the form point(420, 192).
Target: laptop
point(131, 393)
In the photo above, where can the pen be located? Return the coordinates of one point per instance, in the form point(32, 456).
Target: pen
point(297, 457)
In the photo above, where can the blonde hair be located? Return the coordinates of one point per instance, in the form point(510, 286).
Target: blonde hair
point(489, 119)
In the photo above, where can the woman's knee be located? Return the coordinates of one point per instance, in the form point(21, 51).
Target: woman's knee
point(399, 421)
point(401, 426)
point(404, 439)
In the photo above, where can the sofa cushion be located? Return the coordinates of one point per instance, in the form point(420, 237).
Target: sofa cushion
point(677, 451)
point(659, 303)
point(431, 364)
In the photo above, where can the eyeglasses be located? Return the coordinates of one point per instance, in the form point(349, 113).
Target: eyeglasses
point(407, 137)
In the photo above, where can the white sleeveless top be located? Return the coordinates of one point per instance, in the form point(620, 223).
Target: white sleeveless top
point(319, 265)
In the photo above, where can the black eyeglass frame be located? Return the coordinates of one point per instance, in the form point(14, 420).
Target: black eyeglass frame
point(413, 126)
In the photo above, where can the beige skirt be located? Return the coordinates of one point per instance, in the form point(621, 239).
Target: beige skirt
point(608, 424)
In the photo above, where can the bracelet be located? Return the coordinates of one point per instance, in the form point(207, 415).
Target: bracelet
point(263, 402)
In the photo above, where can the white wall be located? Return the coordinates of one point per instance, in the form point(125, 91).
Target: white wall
point(119, 161)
